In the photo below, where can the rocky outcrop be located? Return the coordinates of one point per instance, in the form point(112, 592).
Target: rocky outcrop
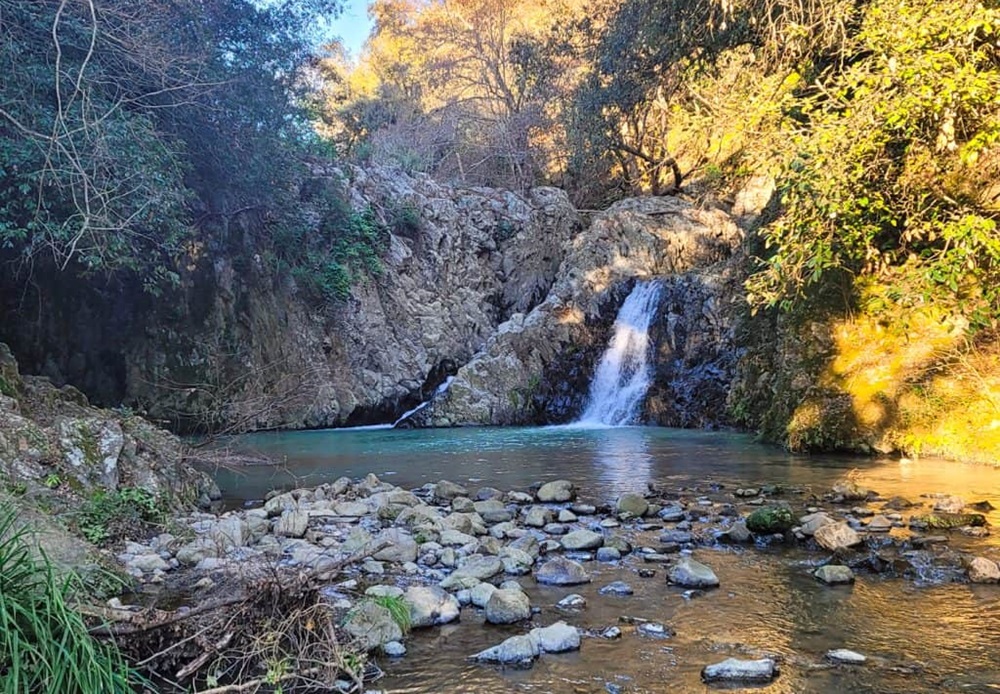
point(518, 376)
point(57, 452)
point(239, 345)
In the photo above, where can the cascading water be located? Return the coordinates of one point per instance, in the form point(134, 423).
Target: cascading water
point(623, 376)
point(409, 413)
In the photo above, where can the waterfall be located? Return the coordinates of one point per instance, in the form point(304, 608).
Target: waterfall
point(623, 376)
point(440, 389)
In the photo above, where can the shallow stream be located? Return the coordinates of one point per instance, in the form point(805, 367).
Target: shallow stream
point(922, 634)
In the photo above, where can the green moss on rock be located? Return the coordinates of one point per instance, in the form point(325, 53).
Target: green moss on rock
point(770, 519)
point(947, 521)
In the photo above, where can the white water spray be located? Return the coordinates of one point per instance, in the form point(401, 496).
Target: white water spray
point(623, 376)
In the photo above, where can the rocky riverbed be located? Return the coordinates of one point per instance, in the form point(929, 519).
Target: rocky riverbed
point(524, 564)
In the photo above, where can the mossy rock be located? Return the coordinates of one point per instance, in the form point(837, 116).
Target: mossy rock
point(769, 520)
point(947, 521)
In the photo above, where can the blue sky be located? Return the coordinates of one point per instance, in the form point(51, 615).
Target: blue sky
point(353, 25)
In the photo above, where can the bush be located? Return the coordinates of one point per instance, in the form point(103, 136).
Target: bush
point(44, 643)
point(109, 515)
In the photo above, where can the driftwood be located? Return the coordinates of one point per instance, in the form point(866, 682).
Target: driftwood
point(275, 616)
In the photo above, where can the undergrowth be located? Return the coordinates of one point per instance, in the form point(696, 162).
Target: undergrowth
point(44, 643)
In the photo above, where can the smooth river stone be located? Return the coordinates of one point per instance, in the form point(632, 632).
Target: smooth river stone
point(560, 571)
point(582, 539)
point(736, 670)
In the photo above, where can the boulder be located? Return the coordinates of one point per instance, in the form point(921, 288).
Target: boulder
point(556, 638)
point(478, 567)
point(692, 574)
point(983, 570)
point(948, 521)
point(738, 533)
point(769, 520)
point(538, 517)
point(507, 606)
point(808, 525)
point(950, 504)
point(633, 504)
point(517, 650)
point(372, 625)
point(582, 539)
point(493, 511)
point(736, 670)
point(292, 523)
point(446, 490)
point(560, 571)
point(430, 606)
point(481, 594)
point(834, 574)
point(837, 537)
point(557, 491)
point(401, 548)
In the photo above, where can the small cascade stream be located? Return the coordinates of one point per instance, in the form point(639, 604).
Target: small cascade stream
point(623, 376)
point(409, 413)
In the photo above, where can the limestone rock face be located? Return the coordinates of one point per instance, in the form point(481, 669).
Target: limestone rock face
point(523, 361)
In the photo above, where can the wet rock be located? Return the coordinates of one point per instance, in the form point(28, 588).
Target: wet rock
point(557, 638)
point(430, 606)
point(632, 504)
point(481, 594)
point(560, 571)
point(983, 506)
point(736, 670)
point(567, 516)
point(527, 544)
point(515, 561)
point(555, 529)
point(394, 649)
point(538, 517)
point(837, 537)
point(507, 607)
point(834, 574)
point(948, 521)
point(950, 504)
point(738, 533)
point(619, 588)
point(462, 504)
point(655, 630)
point(619, 543)
point(446, 490)
point(557, 491)
point(582, 539)
point(850, 491)
point(658, 557)
point(493, 511)
point(692, 574)
point(897, 503)
point(583, 509)
point(455, 538)
point(517, 650)
point(519, 498)
point(489, 494)
point(809, 524)
point(842, 656)
point(607, 554)
point(611, 633)
point(372, 625)
point(672, 513)
point(879, 524)
point(675, 537)
point(381, 591)
point(983, 570)
point(477, 567)
point(769, 520)
point(646, 573)
point(572, 601)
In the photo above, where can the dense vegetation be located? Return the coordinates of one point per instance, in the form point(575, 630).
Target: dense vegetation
point(135, 137)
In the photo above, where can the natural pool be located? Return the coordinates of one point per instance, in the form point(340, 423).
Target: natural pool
point(920, 635)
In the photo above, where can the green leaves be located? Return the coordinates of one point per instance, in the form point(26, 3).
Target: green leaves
point(886, 173)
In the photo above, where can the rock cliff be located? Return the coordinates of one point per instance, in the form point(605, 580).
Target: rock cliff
point(521, 373)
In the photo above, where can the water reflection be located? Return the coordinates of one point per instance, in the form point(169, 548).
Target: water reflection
point(622, 460)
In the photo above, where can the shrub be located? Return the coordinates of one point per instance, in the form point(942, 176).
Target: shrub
point(108, 515)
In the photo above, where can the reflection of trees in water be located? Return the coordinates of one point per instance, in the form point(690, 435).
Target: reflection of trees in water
point(623, 460)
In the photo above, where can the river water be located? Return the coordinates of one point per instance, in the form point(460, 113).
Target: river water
point(919, 635)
